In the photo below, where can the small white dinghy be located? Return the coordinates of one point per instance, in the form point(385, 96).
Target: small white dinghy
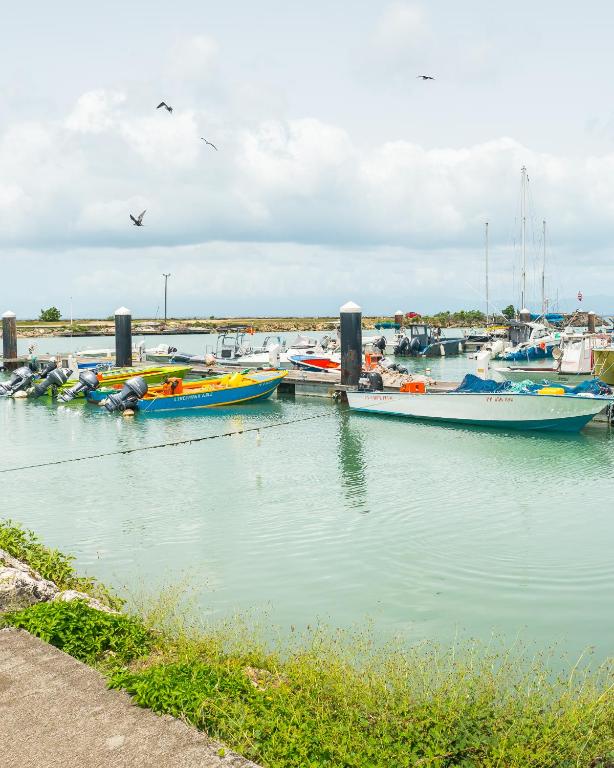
point(546, 408)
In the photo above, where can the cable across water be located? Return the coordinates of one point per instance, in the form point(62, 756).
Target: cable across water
point(172, 444)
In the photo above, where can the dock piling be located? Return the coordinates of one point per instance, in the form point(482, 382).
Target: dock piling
point(9, 339)
point(591, 322)
point(350, 316)
point(123, 337)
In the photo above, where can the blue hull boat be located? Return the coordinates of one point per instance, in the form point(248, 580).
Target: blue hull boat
point(231, 389)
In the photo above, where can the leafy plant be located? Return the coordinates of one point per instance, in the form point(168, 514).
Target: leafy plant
point(50, 563)
point(83, 632)
point(348, 706)
point(50, 315)
point(509, 312)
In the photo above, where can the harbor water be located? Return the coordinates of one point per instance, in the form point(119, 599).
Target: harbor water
point(312, 513)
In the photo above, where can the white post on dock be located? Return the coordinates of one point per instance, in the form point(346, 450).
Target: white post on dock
point(123, 337)
point(350, 316)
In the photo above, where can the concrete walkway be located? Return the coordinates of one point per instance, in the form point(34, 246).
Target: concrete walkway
point(57, 712)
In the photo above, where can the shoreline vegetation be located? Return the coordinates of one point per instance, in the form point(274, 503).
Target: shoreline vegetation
point(331, 698)
point(148, 326)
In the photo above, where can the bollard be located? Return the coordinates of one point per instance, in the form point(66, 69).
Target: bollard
point(9, 338)
point(351, 343)
point(123, 337)
point(591, 322)
point(524, 315)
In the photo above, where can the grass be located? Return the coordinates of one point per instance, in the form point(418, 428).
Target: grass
point(51, 563)
point(336, 699)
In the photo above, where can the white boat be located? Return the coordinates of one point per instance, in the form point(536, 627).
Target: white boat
point(574, 361)
point(526, 411)
point(107, 352)
point(275, 352)
point(160, 354)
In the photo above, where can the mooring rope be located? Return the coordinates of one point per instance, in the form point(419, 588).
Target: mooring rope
point(187, 441)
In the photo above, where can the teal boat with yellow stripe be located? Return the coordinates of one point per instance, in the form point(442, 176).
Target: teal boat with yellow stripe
point(176, 394)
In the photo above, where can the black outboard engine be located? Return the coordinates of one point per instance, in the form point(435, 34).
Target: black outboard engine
point(371, 382)
point(88, 382)
point(49, 366)
point(402, 347)
point(414, 346)
point(132, 391)
point(380, 344)
point(57, 377)
point(20, 379)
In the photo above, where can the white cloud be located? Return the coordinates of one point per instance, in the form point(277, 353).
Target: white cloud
point(95, 111)
point(165, 141)
point(286, 208)
point(297, 180)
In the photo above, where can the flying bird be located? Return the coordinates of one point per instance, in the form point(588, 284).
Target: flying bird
point(138, 222)
point(425, 77)
point(209, 143)
point(165, 105)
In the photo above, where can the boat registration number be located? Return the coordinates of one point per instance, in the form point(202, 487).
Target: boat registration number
point(499, 399)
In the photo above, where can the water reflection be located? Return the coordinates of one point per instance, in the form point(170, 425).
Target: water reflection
point(352, 464)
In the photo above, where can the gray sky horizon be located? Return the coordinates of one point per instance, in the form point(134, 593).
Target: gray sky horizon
point(339, 174)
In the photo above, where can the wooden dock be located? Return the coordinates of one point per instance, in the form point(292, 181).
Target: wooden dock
point(314, 383)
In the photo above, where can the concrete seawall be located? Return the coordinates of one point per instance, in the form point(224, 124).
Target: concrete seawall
point(56, 712)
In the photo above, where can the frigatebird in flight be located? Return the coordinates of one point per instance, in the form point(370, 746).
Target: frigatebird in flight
point(425, 77)
point(165, 105)
point(138, 222)
point(209, 143)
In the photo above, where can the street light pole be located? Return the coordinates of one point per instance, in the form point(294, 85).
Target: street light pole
point(165, 275)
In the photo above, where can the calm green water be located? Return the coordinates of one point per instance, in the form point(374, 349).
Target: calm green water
point(427, 530)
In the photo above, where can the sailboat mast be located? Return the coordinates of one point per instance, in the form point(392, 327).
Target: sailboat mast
point(487, 298)
point(544, 272)
point(523, 214)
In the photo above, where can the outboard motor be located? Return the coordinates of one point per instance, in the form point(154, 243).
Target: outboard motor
point(371, 382)
point(88, 382)
point(402, 347)
point(380, 344)
point(55, 378)
point(20, 379)
point(132, 391)
point(50, 366)
point(414, 346)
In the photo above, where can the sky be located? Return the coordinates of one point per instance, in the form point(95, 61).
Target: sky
point(340, 175)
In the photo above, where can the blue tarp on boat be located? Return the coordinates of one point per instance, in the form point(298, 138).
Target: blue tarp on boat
point(473, 383)
point(551, 317)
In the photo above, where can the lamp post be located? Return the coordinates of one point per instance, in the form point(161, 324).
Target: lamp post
point(165, 275)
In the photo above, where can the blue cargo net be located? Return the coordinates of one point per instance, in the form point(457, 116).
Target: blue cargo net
point(475, 384)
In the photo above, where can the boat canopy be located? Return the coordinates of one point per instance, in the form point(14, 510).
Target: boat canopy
point(387, 324)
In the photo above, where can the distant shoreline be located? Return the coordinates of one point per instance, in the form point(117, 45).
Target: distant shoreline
point(174, 327)
point(27, 329)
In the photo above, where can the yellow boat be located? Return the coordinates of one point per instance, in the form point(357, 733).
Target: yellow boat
point(604, 364)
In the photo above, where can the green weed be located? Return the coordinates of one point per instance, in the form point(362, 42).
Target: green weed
point(85, 633)
point(50, 563)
